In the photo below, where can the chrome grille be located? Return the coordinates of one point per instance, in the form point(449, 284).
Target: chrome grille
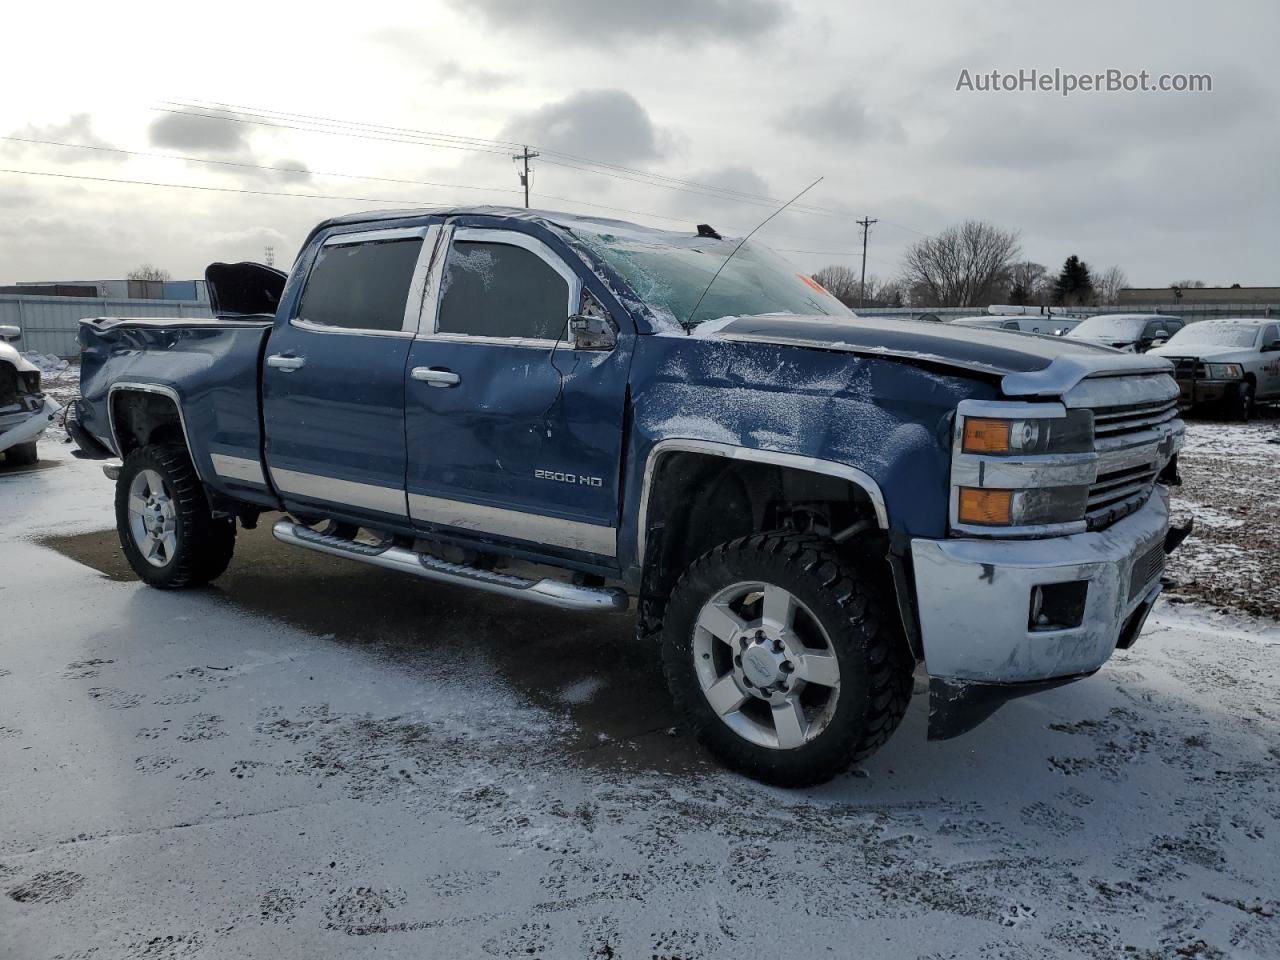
point(1117, 494)
point(1116, 422)
point(1132, 438)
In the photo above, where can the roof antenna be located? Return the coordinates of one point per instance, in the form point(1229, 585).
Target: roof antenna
point(689, 320)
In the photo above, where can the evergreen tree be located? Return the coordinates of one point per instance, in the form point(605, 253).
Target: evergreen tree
point(1074, 285)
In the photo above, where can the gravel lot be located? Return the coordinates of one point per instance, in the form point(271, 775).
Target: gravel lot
point(317, 759)
point(1231, 485)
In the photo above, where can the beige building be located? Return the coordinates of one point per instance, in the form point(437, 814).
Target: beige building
point(1137, 296)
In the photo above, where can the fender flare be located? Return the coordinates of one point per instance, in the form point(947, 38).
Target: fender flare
point(129, 386)
point(729, 451)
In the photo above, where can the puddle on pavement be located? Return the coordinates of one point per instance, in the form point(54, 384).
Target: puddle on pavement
point(587, 666)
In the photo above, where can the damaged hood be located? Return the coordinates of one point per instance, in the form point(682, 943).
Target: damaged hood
point(9, 354)
point(1025, 364)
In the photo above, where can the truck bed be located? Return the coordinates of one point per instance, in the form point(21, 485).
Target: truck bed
point(209, 368)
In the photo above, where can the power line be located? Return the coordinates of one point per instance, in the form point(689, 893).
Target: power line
point(330, 173)
point(191, 186)
point(361, 130)
point(486, 143)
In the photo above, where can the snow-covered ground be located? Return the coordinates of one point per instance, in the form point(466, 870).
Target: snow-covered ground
point(1231, 485)
point(316, 760)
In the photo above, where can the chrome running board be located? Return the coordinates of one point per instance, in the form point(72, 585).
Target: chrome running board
point(555, 593)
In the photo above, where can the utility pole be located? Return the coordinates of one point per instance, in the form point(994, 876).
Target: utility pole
point(526, 156)
point(865, 223)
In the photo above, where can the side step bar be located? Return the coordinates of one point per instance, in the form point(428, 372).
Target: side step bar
point(554, 593)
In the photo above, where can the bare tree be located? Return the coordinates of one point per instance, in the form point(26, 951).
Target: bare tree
point(1108, 284)
point(962, 266)
point(1188, 284)
point(1028, 283)
point(148, 272)
point(843, 283)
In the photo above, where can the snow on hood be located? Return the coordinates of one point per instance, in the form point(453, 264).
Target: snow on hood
point(982, 349)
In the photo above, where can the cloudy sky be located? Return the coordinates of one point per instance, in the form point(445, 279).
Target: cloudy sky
point(661, 108)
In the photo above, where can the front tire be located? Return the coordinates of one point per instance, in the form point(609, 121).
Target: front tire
point(1242, 405)
point(784, 659)
point(169, 536)
point(22, 454)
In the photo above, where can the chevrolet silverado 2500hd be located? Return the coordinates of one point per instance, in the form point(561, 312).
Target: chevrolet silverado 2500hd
point(804, 505)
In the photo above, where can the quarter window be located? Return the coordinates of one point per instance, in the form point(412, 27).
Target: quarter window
point(361, 286)
point(501, 290)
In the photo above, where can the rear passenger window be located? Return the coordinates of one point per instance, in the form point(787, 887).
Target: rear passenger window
point(500, 290)
point(361, 286)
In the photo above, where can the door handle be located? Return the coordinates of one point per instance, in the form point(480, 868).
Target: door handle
point(435, 377)
point(286, 363)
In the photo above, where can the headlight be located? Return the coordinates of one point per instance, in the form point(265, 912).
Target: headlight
point(1025, 467)
point(1224, 371)
point(1026, 436)
point(1021, 508)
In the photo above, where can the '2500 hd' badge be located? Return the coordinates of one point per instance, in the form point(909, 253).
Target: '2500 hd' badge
point(561, 477)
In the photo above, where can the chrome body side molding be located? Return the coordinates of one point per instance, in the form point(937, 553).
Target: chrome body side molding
point(554, 593)
point(366, 496)
point(516, 524)
point(238, 468)
point(791, 461)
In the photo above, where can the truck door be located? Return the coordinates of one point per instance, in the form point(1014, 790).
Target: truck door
point(333, 377)
point(512, 433)
point(1269, 382)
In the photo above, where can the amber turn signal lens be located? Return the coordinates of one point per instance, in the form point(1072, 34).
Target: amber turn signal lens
point(987, 507)
point(983, 435)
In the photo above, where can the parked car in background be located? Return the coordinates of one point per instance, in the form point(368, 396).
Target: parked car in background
point(1048, 325)
point(1130, 332)
point(1231, 363)
point(24, 410)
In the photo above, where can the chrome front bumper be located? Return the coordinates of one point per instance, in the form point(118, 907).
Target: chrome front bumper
point(974, 598)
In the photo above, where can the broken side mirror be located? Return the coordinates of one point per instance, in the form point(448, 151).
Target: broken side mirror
point(592, 333)
point(591, 328)
point(9, 333)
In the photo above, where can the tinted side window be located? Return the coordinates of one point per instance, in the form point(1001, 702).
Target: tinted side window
point(361, 285)
point(1270, 335)
point(498, 290)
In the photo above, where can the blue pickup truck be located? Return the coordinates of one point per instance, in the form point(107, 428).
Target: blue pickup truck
point(801, 505)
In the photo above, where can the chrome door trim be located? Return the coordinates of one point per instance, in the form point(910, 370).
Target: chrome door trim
point(162, 390)
point(238, 468)
point(367, 496)
point(417, 282)
point(431, 310)
point(516, 524)
point(789, 460)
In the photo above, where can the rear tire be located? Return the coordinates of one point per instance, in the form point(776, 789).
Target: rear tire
point(22, 454)
point(169, 536)
point(764, 723)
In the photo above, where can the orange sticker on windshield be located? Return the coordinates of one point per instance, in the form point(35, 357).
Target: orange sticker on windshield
point(814, 283)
